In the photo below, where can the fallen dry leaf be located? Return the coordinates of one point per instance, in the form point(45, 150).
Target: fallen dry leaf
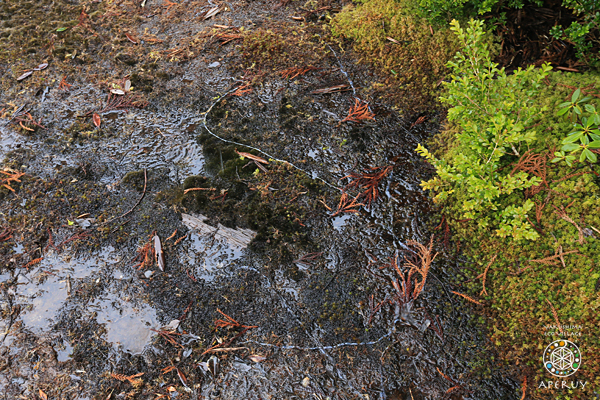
point(97, 120)
point(251, 157)
point(257, 358)
point(131, 38)
point(25, 75)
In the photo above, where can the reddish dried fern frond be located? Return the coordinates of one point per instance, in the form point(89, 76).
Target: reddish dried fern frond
point(225, 38)
point(411, 286)
point(145, 257)
point(11, 176)
point(295, 72)
point(229, 323)
point(6, 234)
point(425, 258)
point(347, 204)
point(242, 90)
point(534, 164)
point(369, 181)
point(359, 112)
point(131, 378)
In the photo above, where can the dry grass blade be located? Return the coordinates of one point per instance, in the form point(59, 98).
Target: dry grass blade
point(198, 189)
point(251, 157)
point(368, 180)
point(331, 89)
point(359, 112)
point(230, 322)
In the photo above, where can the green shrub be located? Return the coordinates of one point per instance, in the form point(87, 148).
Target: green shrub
point(494, 112)
point(585, 130)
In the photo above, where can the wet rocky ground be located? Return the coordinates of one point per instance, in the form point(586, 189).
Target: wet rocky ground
point(274, 285)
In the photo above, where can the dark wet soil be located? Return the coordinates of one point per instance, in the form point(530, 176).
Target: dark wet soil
point(86, 312)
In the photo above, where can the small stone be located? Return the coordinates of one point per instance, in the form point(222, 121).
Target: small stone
point(306, 381)
point(148, 274)
point(214, 65)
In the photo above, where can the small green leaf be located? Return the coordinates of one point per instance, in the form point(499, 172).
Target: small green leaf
point(572, 138)
point(594, 145)
point(566, 104)
point(70, 222)
point(555, 160)
point(590, 156)
point(61, 29)
point(570, 147)
point(575, 95)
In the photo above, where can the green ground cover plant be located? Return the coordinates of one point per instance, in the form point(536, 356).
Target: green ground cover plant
point(518, 184)
point(538, 248)
point(390, 35)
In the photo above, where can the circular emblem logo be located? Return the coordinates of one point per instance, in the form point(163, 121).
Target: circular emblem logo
point(562, 358)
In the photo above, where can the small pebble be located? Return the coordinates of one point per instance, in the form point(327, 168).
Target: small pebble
point(214, 65)
point(148, 274)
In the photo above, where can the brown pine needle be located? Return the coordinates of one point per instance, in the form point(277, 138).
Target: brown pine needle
point(445, 376)
point(186, 191)
point(472, 300)
point(553, 260)
point(485, 274)
point(32, 262)
point(556, 317)
point(563, 214)
point(453, 388)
